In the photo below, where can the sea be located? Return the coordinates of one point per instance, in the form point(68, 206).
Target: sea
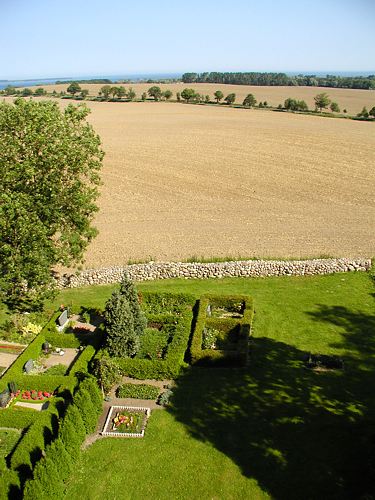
point(49, 81)
point(154, 76)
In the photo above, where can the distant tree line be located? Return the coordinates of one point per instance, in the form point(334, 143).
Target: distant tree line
point(275, 79)
point(93, 80)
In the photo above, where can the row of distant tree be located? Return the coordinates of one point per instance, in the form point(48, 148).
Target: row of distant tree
point(274, 79)
point(111, 92)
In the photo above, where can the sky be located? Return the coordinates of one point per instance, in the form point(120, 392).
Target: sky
point(45, 38)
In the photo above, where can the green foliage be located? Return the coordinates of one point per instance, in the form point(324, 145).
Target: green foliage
point(231, 334)
point(105, 91)
point(188, 94)
point(121, 92)
point(82, 401)
point(84, 93)
point(46, 483)
point(178, 96)
point(153, 343)
point(129, 292)
point(32, 445)
point(138, 391)
point(131, 95)
point(249, 101)
point(372, 112)
point(74, 88)
point(17, 417)
point(56, 452)
point(40, 92)
point(364, 113)
point(164, 398)
point(9, 485)
point(81, 364)
point(72, 431)
point(294, 105)
point(155, 92)
point(322, 101)
point(107, 372)
point(334, 107)
point(121, 339)
point(27, 92)
point(218, 95)
point(167, 94)
point(91, 386)
point(230, 99)
point(38, 144)
point(56, 370)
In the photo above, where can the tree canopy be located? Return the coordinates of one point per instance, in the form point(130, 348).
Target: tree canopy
point(188, 94)
point(50, 162)
point(249, 101)
point(74, 88)
point(322, 101)
point(155, 92)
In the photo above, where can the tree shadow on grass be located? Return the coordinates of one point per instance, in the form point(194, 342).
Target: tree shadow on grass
point(300, 434)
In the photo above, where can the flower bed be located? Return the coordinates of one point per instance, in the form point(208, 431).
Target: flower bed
point(126, 421)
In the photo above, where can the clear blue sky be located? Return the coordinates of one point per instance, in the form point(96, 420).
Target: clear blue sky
point(44, 38)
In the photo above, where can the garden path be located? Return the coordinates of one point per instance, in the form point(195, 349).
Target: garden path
point(6, 359)
point(66, 359)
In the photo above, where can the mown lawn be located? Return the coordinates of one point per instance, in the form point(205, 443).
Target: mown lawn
point(274, 429)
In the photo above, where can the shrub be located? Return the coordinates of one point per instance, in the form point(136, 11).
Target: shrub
point(128, 290)
point(17, 417)
point(121, 338)
point(82, 401)
point(9, 485)
point(165, 397)
point(30, 448)
point(56, 370)
point(81, 364)
point(138, 391)
point(58, 454)
point(47, 482)
point(91, 386)
point(72, 431)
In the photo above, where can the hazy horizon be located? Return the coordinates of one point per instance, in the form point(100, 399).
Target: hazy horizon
point(291, 36)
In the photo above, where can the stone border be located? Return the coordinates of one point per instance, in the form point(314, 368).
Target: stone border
point(124, 434)
point(188, 270)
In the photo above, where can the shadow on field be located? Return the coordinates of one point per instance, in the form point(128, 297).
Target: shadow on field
point(300, 434)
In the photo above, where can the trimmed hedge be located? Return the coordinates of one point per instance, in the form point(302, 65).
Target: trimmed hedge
point(9, 485)
point(33, 351)
point(216, 357)
point(30, 448)
point(138, 391)
point(81, 364)
point(17, 417)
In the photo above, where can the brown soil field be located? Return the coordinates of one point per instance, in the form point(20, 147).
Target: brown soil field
point(209, 181)
point(352, 100)
point(181, 180)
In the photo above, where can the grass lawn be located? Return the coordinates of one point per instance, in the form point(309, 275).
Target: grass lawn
point(273, 429)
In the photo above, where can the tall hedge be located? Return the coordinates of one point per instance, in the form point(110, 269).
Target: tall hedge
point(82, 401)
point(129, 292)
point(91, 386)
point(46, 483)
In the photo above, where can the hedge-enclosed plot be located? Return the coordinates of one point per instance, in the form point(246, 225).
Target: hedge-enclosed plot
point(222, 330)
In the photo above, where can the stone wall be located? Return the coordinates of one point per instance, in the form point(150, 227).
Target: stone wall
point(245, 268)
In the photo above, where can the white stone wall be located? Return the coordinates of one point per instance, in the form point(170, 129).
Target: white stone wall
point(244, 268)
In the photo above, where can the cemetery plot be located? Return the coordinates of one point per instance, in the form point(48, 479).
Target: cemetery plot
point(222, 330)
point(126, 421)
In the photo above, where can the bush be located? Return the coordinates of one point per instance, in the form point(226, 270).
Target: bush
point(91, 386)
point(56, 370)
point(9, 485)
point(58, 454)
point(46, 483)
point(121, 338)
point(164, 398)
point(81, 364)
point(138, 391)
point(17, 417)
point(82, 401)
point(72, 431)
point(32, 445)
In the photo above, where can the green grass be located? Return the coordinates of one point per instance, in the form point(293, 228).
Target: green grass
point(273, 429)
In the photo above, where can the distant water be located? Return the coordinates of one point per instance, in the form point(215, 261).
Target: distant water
point(50, 81)
point(156, 76)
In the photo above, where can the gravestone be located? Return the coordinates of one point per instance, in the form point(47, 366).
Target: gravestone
point(62, 320)
point(209, 311)
point(46, 347)
point(4, 398)
point(29, 365)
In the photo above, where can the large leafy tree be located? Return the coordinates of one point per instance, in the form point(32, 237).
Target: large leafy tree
point(74, 88)
point(155, 92)
point(322, 101)
point(249, 101)
point(188, 94)
point(50, 162)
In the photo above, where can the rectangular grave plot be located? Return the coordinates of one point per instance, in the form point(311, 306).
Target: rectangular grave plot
point(126, 421)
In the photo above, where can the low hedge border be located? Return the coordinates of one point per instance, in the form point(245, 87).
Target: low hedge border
point(81, 364)
point(210, 357)
point(137, 391)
